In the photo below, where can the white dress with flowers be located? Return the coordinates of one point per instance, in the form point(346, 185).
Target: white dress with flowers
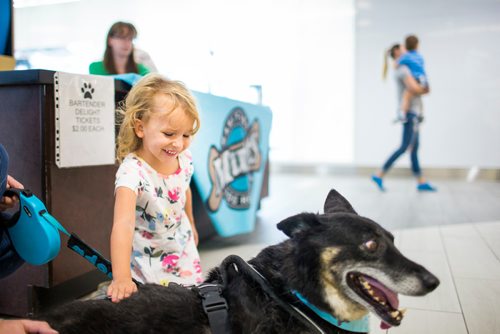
point(163, 247)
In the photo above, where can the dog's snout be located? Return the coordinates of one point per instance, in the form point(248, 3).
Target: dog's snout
point(430, 281)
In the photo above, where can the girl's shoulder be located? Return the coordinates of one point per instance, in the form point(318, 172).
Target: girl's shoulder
point(186, 163)
point(131, 163)
point(131, 173)
point(185, 158)
point(132, 159)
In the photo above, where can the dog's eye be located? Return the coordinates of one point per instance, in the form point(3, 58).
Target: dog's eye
point(371, 245)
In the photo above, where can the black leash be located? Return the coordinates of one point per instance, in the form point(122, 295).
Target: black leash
point(247, 270)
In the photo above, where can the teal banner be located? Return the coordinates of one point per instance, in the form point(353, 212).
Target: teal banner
point(230, 153)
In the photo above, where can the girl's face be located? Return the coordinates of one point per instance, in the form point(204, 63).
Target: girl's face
point(164, 135)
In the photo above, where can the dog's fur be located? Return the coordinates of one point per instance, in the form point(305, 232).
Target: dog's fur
point(323, 260)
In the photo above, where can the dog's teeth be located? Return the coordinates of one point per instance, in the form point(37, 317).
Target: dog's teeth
point(402, 311)
point(394, 314)
point(399, 318)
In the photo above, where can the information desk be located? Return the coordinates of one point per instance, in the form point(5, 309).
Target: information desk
point(82, 198)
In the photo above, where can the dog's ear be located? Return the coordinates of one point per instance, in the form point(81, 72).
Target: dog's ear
point(298, 223)
point(335, 202)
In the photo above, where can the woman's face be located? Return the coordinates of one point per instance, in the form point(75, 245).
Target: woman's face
point(122, 45)
point(398, 52)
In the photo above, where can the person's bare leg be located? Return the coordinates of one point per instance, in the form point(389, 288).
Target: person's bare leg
point(405, 104)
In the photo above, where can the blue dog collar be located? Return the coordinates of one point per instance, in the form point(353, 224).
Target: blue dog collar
point(360, 326)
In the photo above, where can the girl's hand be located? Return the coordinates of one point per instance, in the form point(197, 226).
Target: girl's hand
point(120, 289)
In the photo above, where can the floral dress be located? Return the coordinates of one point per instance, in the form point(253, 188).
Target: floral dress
point(163, 248)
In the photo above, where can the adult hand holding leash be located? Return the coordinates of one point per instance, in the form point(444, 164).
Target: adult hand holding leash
point(9, 259)
point(25, 326)
point(9, 202)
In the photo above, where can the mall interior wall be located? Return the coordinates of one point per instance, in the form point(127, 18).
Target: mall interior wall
point(300, 52)
point(319, 63)
point(462, 112)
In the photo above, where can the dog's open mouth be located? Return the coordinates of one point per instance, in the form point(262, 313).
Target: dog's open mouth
point(383, 300)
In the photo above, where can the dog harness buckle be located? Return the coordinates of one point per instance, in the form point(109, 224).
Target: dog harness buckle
point(215, 306)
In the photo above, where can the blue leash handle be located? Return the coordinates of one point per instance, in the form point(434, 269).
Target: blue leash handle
point(81, 248)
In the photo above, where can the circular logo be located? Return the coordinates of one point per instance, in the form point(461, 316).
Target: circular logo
point(231, 168)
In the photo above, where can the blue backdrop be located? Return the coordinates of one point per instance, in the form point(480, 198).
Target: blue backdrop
point(230, 154)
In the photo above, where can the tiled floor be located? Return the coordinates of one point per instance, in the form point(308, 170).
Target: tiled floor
point(455, 233)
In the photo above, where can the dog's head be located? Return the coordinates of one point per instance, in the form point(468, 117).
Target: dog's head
point(349, 265)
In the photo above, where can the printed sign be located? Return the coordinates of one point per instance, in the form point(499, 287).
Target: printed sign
point(229, 178)
point(85, 120)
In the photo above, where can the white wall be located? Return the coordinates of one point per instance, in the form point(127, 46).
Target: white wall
point(301, 52)
point(304, 55)
point(460, 43)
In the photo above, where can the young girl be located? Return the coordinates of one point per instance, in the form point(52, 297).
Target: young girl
point(154, 238)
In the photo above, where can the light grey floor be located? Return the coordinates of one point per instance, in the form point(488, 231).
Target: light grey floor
point(455, 233)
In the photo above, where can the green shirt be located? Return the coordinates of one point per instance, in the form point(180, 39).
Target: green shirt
point(98, 68)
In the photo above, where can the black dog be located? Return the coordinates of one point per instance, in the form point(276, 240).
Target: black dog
point(339, 262)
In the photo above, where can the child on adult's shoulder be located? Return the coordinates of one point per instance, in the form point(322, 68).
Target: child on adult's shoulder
point(414, 61)
point(154, 237)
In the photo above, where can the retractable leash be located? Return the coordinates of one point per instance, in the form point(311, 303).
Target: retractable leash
point(35, 234)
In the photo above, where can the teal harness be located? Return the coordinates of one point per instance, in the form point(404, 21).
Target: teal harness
point(359, 326)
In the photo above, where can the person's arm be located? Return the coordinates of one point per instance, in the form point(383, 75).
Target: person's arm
point(24, 326)
point(189, 212)
point(9, 202)
point(122, 235)
point(413, 86)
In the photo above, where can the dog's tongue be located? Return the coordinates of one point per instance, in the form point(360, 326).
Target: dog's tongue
point(384, 325)
point(392, 297)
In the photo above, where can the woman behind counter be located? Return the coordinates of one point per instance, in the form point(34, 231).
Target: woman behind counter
point(119, 54)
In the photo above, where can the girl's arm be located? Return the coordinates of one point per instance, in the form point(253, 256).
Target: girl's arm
point(122, 234)
point(189, 212)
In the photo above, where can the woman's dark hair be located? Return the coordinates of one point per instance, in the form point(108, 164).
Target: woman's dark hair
point(393, 49)
point(121, 30)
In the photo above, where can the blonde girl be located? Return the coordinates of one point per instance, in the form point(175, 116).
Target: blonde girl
point(154, 237)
